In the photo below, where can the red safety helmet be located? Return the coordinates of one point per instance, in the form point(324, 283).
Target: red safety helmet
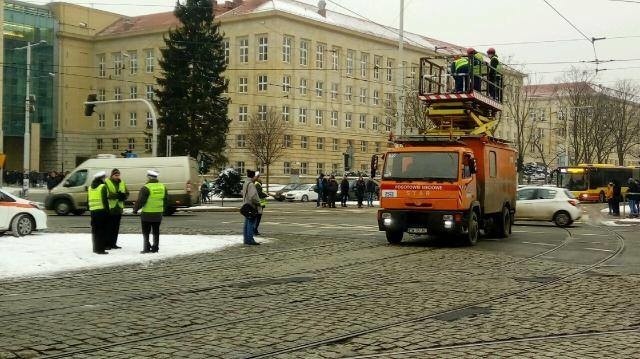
point(491, 51)
point(471, 51)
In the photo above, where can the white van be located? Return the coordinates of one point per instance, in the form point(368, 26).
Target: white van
point(179, 174)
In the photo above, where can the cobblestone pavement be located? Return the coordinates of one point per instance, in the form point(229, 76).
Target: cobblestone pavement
point(334, 296)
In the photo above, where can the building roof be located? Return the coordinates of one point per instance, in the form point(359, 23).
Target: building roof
point(549, 90)
point(163, 21)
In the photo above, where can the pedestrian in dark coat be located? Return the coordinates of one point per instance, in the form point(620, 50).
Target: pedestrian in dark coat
point(360, 187)
point(99, 208)
point(344, 191)
point(332, 191)
point(617, 196)
point(325, 193)
point(52, 180)
point(370, 191)
point(319, 189)
point(117, 193)
point(152, 202)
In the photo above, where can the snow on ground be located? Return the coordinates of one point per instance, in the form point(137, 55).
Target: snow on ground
point(44, 254)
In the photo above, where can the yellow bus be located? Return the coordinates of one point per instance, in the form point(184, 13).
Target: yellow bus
point(588, 182)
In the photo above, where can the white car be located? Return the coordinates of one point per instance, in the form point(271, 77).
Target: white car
point(547, 203)
point(20, 216)
point(303, 193)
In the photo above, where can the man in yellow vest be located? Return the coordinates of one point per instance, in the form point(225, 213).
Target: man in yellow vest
point(478, 66)
point(152, 202)
point(99, 208)
point(117, 193)
point(494, 76)
point(460, 71)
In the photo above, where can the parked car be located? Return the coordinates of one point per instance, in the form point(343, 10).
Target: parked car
point(20, 216)
point(303, 193)
point(280, 194)
point(547, 203)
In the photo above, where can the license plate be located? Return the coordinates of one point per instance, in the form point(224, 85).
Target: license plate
point(417, 230)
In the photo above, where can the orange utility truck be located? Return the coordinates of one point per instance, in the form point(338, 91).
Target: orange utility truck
point(455, 179)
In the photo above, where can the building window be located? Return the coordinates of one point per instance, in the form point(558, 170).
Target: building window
point(227, 51)
point(263, 48)
point(240, 166)
point(303, 87)
point(350, 57)
point(133, 92)
point(414, 68)
point(241, 141)
point(363, 96)
point(375, 123)
point(117, 93)
point(304, 52)
point(116, 120)
point(286, 83)
point(131, 143)
point(117, 63)
point(285, 113)
point(149, 120)
point(150, 93)
point(334, 118)
point(377, 63)
point(302, 115)
point(334, 91)
point(147, 143)
point(102, 66)
point(304, 168)
point(288, 141)
point(388, 99)
point(149, 61)
point(335, 56)
point(319, 88)
point(363, 121)
point(320, 49)
point(389, 70)
point(133, 62)
point(133, 119)
point(376, 97)
point(347, 120)
point(102, 94)
point(319, 168)
point(244, 50)
point(347, 93)
point(243, 113)
point(363, 146)
point(287, 42)
point(320, 144)
point(304, 142)
point(388, 122)
point(319, 117)
point(364, 63)
point(115, 145)
point(334, 167)
point(336, 144)
point(262, 83)
point(243, 85)
point(101, 120)
point(99, 143)
point(262, 112)
point(286, 168)
point(377, 147)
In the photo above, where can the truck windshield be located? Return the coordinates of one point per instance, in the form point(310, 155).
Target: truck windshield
point(421, 165)
point(573, 181)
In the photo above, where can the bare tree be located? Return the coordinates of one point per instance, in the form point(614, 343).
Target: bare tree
point(625, 119)
point(265, 137)
point(603, 105)
point(415, 113)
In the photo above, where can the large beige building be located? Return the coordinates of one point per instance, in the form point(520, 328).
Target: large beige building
point(332, 76)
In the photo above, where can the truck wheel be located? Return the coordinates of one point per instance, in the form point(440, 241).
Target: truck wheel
point(471, 237)
point(62, 207)
point(504, 224)
point(394, 237)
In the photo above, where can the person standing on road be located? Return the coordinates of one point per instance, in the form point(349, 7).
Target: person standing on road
point(617, 196)
point(99, 208)
point(344, 191)
point(263, 203)
point(152, 201)
point(360, 189)
point(608, 195)
point(320, 189)
point(204, 192)
point(332, 191)
point(250, 196)
point(632, 197)
point(52, 180)
point(117, 193)
point(371, 190)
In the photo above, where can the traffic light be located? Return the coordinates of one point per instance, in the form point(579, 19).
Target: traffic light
point(32, 103)
point(89, 107)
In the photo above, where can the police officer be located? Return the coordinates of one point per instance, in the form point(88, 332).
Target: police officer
point(152, 201)
point(117, 193)
point(99, 208)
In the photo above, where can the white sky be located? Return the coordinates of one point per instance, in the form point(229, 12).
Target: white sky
point(494, 23)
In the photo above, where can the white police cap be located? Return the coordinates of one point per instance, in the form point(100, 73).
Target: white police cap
point(152, 173)
point(100, 174)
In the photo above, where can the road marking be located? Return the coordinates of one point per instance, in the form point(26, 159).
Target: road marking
point(591, 234)
point(599, 249)
point(531, 232)
point(540, 244)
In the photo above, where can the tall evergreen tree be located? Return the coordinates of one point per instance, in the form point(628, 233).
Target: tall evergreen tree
point(190, 99)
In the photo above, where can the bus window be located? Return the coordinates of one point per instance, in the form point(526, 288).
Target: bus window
point(573, 181)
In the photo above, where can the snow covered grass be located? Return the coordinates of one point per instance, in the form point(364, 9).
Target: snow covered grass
point(43, 254)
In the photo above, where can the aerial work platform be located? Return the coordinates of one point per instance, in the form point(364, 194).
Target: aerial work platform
point(457, 113)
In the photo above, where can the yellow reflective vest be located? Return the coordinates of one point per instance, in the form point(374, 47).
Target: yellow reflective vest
point(95, 198)
point(155, 202)
point(478, 68)
point(111, 188)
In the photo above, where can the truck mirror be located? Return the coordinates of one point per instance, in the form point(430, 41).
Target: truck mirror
point(472, 165)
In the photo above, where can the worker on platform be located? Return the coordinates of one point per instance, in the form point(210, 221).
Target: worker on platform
point(478, 67)
point(460, 71)
point(494, 76)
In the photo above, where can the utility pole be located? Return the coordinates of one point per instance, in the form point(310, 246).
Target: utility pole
point(400, 74)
